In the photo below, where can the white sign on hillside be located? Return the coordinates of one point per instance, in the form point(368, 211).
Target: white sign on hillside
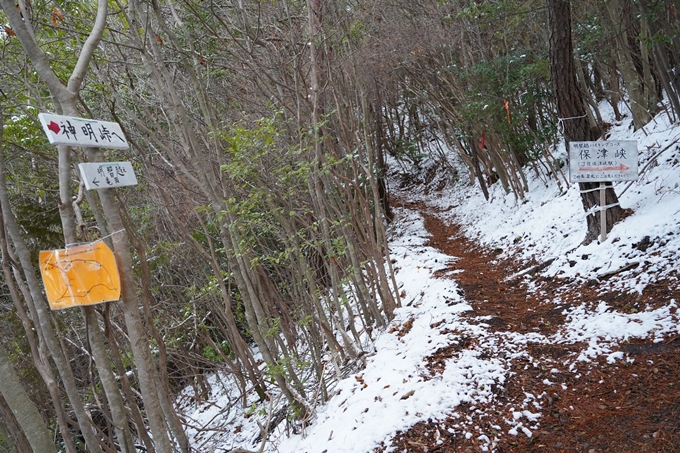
point(603, 161)
point(72, 131)
point(105, 175)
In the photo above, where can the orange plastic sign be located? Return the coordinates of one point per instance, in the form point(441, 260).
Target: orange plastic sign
point(81, 275)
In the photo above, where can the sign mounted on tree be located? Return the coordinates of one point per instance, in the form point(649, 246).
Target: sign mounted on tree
point(603, 161)
point(72, 131)
point(80, 275)
point(105, 175)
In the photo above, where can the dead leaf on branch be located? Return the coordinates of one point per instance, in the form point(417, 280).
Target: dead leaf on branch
point(56, 16)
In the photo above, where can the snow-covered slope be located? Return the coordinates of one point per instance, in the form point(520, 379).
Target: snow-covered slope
point(552, 225)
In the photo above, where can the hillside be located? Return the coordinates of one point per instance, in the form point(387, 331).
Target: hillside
point(512, 336)
point(349, 227)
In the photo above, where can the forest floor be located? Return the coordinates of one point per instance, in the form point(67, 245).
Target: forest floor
point(602, 406)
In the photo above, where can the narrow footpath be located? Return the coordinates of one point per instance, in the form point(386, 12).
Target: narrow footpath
point(630, 405)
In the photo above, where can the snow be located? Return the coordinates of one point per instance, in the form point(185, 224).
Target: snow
point(395, 390)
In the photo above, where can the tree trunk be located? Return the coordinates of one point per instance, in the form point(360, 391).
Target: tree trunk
point(108, 381)
point(94, 333)
point(12, 438)
point(631, 78)
point(38, 346)
point(24, 410)
point(478, 168)
point(571, 110)
point(662, 54)
point(139, 339)
point(615, 90)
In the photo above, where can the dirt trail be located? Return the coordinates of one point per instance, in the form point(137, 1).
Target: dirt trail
point(626, 406)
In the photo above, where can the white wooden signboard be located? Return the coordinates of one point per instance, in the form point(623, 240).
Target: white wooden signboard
point(602, 161)
point(72, 131)
point(105, 175)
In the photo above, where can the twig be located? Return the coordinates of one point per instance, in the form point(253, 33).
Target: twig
point(264, 430)
point(534, 269)
point(628, 266)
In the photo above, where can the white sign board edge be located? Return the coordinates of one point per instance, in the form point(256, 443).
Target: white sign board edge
point(603, 161)
point(73, 131)
point(106, 175)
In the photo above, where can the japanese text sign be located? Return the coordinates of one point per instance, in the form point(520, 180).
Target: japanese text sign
point(105, 175)
point(602, 161)
point(71, 131)
point(81, 275)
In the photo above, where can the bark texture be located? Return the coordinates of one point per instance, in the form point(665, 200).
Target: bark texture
point(24, 410)
point(572, 111)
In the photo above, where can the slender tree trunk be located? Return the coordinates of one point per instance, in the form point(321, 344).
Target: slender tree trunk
point(594, 120)
point(631, 78)
point(615, 89)
point(24, 410)
point(108, 381)
point(661, 55)
point(134, 410)
point(174, 425)
point(478, 169)
point(139, 340)
point(12, 439)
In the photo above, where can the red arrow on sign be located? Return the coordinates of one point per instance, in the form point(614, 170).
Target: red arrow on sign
point(54, 127)
point(620, 167)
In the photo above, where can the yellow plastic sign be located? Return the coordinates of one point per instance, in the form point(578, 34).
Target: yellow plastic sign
point(80, 275)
